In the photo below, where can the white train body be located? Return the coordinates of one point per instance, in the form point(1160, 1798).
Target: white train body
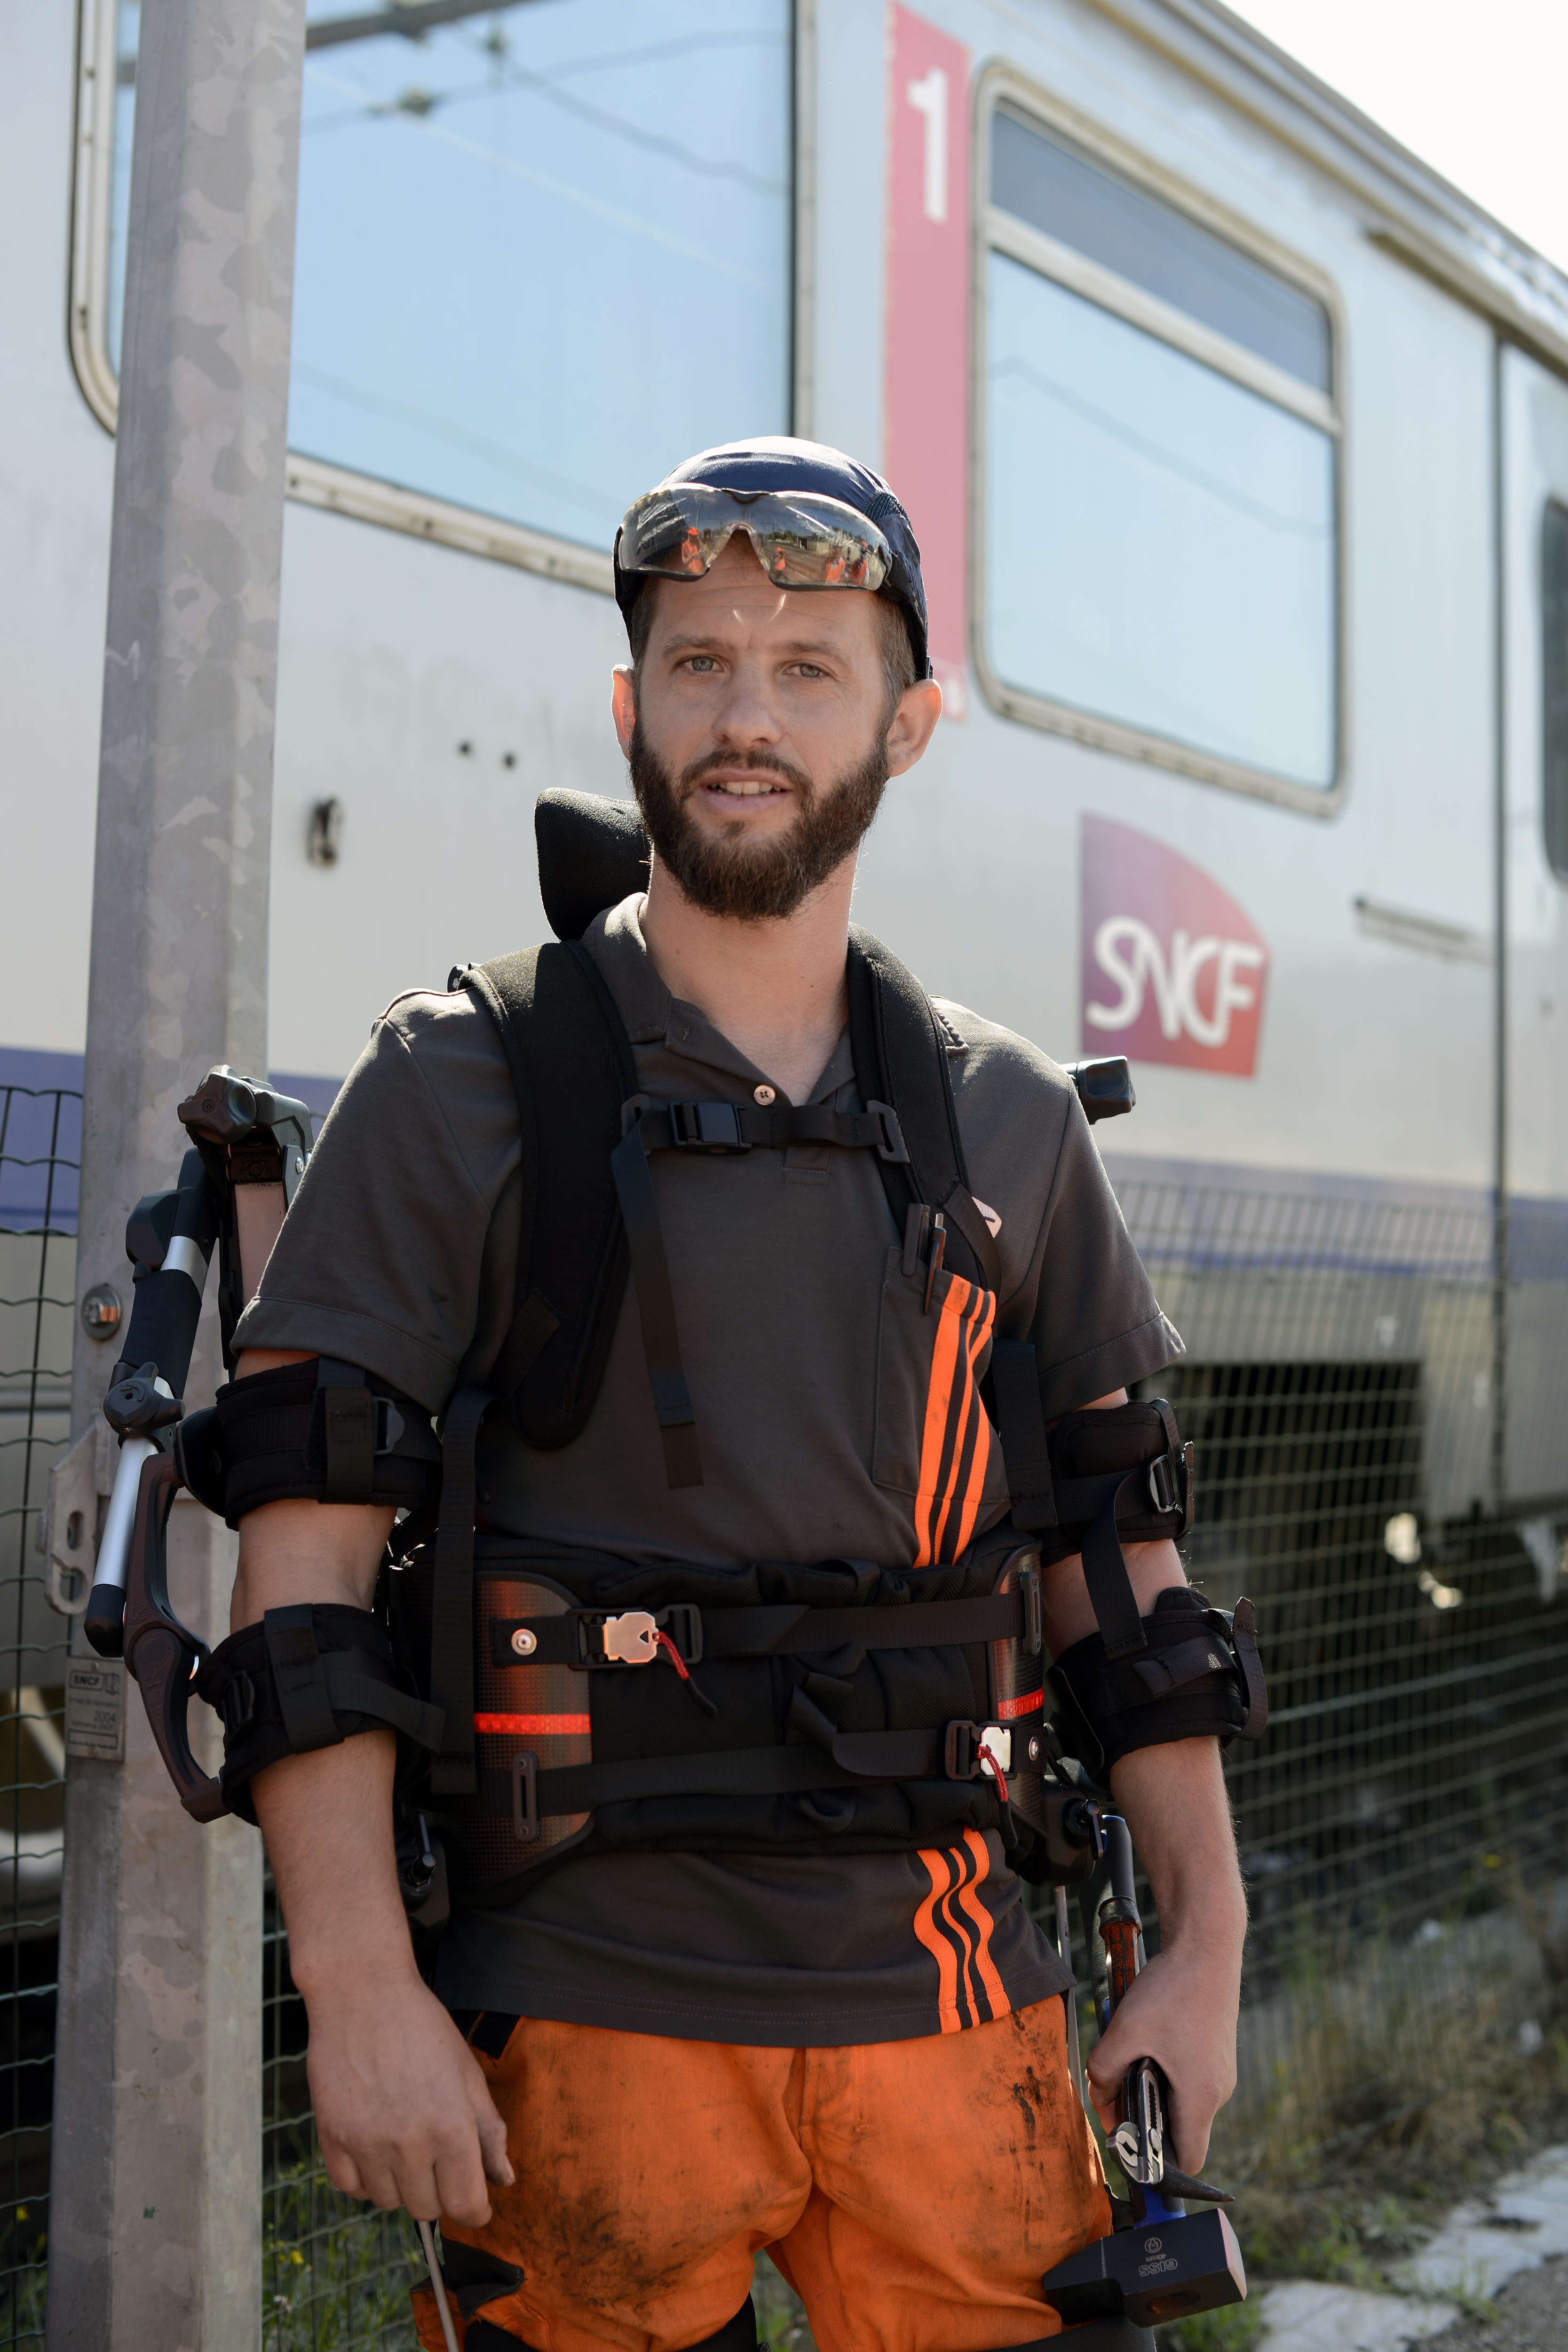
point(1241, 623)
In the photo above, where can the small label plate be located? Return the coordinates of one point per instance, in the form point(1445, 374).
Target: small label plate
point(95, 1708)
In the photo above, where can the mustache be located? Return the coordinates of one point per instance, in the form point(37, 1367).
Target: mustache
point(762, 763)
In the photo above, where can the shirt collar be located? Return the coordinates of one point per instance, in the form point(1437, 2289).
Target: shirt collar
point(652, 1014)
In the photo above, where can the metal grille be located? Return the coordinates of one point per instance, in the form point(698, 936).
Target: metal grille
point(1379, 1405)
point(40, 1145)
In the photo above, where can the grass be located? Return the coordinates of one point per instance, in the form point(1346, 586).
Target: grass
point(335, 2272)
point(1383, 2091)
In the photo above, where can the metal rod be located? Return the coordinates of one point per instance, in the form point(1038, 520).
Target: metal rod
point(115, 1542)
point(427, 2239)
point(1064, 1945)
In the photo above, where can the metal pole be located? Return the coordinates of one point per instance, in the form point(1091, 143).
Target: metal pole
point(1500, 1171)
point(155, 2191)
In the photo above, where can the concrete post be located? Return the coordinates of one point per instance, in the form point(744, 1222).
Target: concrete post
point(155, 2192)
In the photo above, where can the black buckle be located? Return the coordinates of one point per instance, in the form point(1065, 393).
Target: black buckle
point(629, 1637)
point(683, 1621)
point(388, 1424)
point(961, 1748)
point(706, 1127)
point(526, 1799)
point(892, 1146)
point(1163, 1492)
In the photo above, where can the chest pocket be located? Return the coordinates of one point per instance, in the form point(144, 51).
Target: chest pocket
point(933, 1440)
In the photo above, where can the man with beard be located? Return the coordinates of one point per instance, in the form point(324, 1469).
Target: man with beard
point(792, 2027)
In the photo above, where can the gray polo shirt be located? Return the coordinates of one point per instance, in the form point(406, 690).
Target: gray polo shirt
point(827, 1401)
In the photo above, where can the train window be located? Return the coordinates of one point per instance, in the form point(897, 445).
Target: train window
point(1555, 680)
point(1160, 563)
point(542, 251)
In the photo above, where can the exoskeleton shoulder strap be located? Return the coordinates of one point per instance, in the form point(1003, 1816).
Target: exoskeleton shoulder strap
point(572, 1067)
point(901, 1058)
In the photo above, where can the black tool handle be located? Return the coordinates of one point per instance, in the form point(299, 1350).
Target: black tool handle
point(160, 1651)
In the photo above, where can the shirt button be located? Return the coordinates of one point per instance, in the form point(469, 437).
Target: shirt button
point(764, 1095)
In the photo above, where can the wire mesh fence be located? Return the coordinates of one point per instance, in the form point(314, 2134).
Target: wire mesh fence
point(40, 1139)
point(1377, 1393)
point(1379, 1403)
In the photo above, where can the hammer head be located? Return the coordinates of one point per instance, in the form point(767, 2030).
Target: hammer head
point(1162, 2270)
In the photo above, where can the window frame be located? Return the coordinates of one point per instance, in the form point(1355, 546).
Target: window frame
point(1553, 515)
point(340, 489)
point(995, 231)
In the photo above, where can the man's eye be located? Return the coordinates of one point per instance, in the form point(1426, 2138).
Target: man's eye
point(809, 669)
point(701, 662)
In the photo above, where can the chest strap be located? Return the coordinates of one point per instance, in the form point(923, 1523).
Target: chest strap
point(597, 1637)
point(725, 1129)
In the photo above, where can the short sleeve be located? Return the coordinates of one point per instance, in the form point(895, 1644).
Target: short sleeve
point(384, 1256)
point(1097, 1324)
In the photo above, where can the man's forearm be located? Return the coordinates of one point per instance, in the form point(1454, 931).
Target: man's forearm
point(1174, 1803)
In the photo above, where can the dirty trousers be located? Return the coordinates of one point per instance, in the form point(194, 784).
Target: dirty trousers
point(911, 2192)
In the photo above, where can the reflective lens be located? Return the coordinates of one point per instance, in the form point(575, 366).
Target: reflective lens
point(680, 529)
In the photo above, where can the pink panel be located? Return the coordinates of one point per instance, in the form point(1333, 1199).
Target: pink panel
point(1174, 970)
point(928, 369)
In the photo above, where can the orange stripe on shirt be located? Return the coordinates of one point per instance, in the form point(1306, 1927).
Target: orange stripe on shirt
point(946, 1359)
point(536, 1726)
point(939, 1865)
point(982, 1961)
point(970, 1433)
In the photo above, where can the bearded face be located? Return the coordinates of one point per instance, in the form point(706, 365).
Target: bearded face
point(733, 870)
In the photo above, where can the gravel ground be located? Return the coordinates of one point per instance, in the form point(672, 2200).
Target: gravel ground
point(1531, 2315)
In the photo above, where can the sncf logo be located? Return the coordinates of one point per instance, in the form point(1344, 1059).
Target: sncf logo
point(1173, 970)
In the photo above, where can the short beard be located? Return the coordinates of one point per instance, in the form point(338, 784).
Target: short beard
point(766, 878)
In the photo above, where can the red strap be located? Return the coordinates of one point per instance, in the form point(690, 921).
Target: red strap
point(673, 1654)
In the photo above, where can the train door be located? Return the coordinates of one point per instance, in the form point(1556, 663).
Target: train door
point(1533, 416)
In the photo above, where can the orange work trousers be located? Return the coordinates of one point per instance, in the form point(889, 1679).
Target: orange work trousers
point(911, 2192)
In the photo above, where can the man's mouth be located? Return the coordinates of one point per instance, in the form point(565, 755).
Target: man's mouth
point(745, 788)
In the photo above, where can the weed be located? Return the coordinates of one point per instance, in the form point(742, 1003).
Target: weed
point(1235, 2329)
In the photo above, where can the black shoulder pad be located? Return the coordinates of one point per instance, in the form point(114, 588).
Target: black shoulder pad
point(572, 1066)
point(323, 1430)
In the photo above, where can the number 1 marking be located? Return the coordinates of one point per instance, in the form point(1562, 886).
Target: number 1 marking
point(929, 99)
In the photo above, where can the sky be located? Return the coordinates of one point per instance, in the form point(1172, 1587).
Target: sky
point(1475, 87)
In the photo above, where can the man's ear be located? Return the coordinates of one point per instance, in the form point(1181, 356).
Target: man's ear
point(914, 724)
point(623, 705)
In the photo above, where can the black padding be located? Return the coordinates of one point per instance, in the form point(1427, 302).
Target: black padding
point(572, 1067)
point(301, 1429)
point(1185, 1683)
point(199, 1451)
point(307, 1677)
point(491, 2031)
point(348, 1430)
point(452, 1631)
point(473, 2277)
point(296, 1662)
point(592, 853)
point(656, 1312)
point(1026, 1450)
point(736, 2334)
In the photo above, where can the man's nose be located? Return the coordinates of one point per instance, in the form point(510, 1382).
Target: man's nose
point(747, 712)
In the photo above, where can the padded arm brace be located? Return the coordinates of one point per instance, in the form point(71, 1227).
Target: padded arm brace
point(1196, 1676)
point(308, 1677)
point(323, 1430)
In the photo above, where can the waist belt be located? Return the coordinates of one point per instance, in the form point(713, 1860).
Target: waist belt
point(594, 1638)
point(953, 1753)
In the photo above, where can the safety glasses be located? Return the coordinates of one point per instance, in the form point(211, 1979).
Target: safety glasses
point(679, 532)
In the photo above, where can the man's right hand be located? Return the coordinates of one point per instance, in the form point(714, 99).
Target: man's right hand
point(402, 2110)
